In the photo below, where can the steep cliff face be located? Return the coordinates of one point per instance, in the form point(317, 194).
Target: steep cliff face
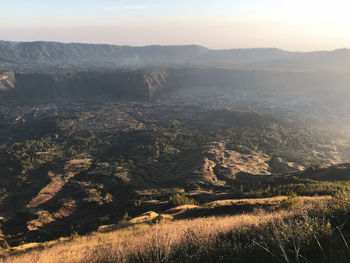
point(7, 80)
point(74, 85)
point(171, 82)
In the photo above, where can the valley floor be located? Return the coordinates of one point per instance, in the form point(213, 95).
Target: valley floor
point(106, 180)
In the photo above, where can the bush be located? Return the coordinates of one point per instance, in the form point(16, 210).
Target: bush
point(74, 235)
point(341, 200)
point(291, 202)
point(125, 218)
point(180, 198)
point(4, 245)
point(158, 219)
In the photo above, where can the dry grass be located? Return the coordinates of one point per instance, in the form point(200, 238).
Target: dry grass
point(49, 191)
point(86, 161)
point(240, 238)
point(137, 240)
point(180, 209)
point(235, 162)
point(148, 217)
point(265, 201)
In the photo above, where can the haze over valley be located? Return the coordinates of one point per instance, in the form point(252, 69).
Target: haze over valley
point(174, 153)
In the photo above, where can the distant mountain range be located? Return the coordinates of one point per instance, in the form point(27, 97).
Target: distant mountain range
point(74, 55)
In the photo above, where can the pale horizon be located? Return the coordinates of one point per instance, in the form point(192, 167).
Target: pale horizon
point(293, 26)
point(169, 45)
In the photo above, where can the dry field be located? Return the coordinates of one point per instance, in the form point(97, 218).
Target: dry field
point(149, 242)
point(117, 246)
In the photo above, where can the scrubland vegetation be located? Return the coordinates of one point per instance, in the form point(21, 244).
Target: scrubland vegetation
point(175, 169)
point(318, 232)
point(123, 159)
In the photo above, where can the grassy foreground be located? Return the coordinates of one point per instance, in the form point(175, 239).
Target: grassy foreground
point(317, 233)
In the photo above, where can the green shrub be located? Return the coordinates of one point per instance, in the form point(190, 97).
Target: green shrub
point(341, 200)
point(74, 235)
point(179, 198)
point(125, 218)
point(291, 202)
point(4, 245)
point(158, 219)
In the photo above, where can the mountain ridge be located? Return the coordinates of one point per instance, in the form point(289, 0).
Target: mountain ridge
point(81, 55)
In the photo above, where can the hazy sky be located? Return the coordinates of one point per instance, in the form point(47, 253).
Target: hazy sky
point(292, 24)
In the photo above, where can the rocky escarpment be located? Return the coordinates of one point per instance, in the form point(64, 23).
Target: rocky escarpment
point(139, 84)
point(173, 83)
point(7, 80)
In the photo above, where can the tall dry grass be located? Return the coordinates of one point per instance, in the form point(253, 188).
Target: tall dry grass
point(313, 233)
point(144, 243)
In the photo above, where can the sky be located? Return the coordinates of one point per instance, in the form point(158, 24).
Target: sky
point(297, 25)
